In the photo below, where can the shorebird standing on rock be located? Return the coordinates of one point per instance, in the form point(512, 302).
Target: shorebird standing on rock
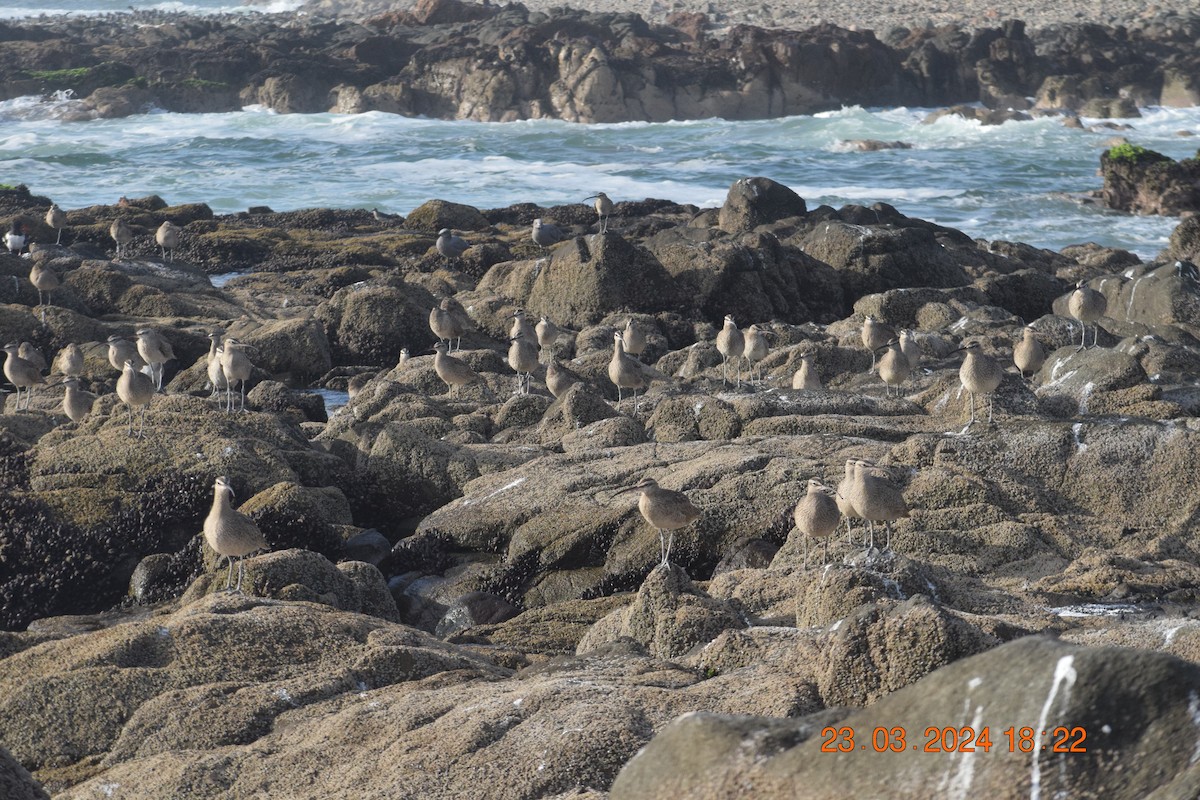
point(70, 361)
point(156, 351)
point(876, 499)
point(875, 335)
point(121, 350)
point(547, 334)
point(731, 343)
point(1087, 305)
point(445, 324)
point(910, 348)
point(34, 356)
point(1029, 355)
point(522, 328)
point(135, 389)
point(558, 380)
point(806, 378)
point(216, 374)
point(894, 367)
point(56, 218)
point(236, 367)
point(452, 371)
point(546, 234)
point(817, 516)
point(666, 510)
point(14, 240)
point(842, 498)
point(21, 373)
point(523, 358)
point(122, 234)
point(77, 403)
point(755, 348)
point(625, 372)
point(979, 374)
point(168, 236)
point(633, 338)
point(230, 532)
point(450, 246)
point(604, 208)
point(45, 280)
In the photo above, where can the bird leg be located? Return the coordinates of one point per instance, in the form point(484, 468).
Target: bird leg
point(667, 558)
point(805, 552)
point(825, 559)
point(887, 546)
point(241, 573)
point(229, 573)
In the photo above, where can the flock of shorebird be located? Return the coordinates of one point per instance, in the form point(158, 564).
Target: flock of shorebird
point(866, 492)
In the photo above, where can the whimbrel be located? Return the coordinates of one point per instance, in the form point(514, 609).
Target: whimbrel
point(1087, 305)
point(730, 344)
point(546, 234)
point(817, 516)
point(979, 374)
point(156, 351)
point(523, 358)
point(633, 338)
point(216, 375)
point(122, 234)
point(70, 361)
point(1029, 355)
point(135, 389)
point(77, 403)
point(910, 348)
point(445, 324)
point(547, 334)
point(875, 335)
point(168, 236)
point(894, 367)
point(806, 378)
point(236, 367)
point(45, 280)
point(558, 380)
point(450, 246)
point(230, 532)
point(876, 499)
point(453, 372)
point(21, 373)
point(625, 372)
point(14, 240)
point(121, 350)
point(523, 328)
point(404, 356)
point(31, 354)
point(666, 510)
point(755, 347)
point(604, 208)
point(842, 497)
point(56, 218)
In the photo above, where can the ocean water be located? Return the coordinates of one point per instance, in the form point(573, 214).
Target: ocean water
point(16, 9)
point(1014, 181)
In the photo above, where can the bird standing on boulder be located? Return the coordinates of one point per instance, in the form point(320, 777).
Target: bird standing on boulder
point(452, 371)
point(135, 389)
point(817, 516)
point(14, 240)
point(1087, 305)
point(1029, 355)
point(121, 350)
point(523, 328)
point(875, 335)
point(156, 351)
point(547, 334)
point(546, 234)
point(625, 372)
point(979, 374)
point(604, 208)
point(876, 499)
point(56, 218)
point(450, 246)
point(731, 343)
point(523, 358)
point(45, 280)
point(168, 236)
point(77, 403)
point(755, 348)
point(230, 532)
point(666, 510)
point(236, 367)
point(445, 324)
point(21, 373)
point(806, 378)
point(894, 367)
point(122, 234)
point(70, 361)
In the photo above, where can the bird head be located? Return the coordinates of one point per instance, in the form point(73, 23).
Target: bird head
point(445, 232)
point(640, 486)
point(221, 484)
point(441, 348)
point(969, 347)
point(729, 320)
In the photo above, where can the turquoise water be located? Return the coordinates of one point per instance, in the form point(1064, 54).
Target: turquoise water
point(1004, 182)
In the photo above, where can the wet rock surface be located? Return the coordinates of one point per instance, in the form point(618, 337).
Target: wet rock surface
point(464, 566)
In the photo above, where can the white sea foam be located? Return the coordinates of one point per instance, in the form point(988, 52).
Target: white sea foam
point(999, 182)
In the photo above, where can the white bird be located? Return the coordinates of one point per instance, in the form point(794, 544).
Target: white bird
point(14, 240)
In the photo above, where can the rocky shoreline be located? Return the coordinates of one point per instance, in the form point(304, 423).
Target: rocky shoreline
point(453, 60)
point(458, 603)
